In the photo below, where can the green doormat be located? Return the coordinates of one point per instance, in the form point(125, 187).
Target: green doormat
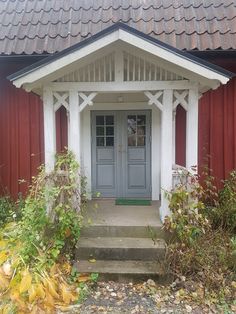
point(125, 201)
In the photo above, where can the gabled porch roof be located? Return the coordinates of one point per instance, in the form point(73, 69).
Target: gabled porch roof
point(196, 69)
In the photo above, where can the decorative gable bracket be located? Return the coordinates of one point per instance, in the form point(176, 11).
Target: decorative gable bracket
point(87, 100)
point(155, 99)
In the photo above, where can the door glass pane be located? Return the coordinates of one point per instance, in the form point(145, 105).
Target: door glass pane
point(141, 120)
point(136, 130)
point(132, 140)
point(100, 130)
point(99, 120)
point(100, 141)
point(141, 141)
point(110, 141)
point(141, 130)
point(109, 130)
point(131, 125)
point(109, 120)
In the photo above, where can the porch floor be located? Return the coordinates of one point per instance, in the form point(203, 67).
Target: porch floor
point(104, 212)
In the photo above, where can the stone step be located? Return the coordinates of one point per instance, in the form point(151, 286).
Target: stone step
point(122, 268)
point(120, 248)
point(98, 230)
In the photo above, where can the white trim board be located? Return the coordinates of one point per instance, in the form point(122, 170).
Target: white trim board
point(155, 145)
point(110, 87)
point(213, 78)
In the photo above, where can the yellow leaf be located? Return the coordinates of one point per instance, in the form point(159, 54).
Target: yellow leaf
point(15, 280)
point(92, 260)
point(3, 257)
point(15, 297)
point(25, 282)
point(32, 293)
point(67, 295)
point(48, 301)
point(52, 288)
point(3, 282)
point(53, 270)
point(66, 267)
point(3, 244)
point(40, 291)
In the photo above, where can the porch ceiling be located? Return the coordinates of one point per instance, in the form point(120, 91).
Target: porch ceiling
point(116, 41)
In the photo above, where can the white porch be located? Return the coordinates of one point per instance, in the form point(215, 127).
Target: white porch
point(122, 71)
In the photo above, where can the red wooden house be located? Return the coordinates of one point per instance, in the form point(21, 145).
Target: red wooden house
point(132, 87)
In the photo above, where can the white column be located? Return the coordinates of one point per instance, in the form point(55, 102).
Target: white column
point(49, 130)
point(192, 130)
point(173, 136)
point(74, 124)
point(86, 149)
point(166, 150)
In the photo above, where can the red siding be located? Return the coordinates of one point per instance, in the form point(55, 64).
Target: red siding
point(217, 130)
point(21, 132)
point(180, 131)
point(21, 135)
point(21, 138)
point(61, 129)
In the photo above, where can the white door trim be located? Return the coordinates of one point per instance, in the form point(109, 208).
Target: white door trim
point(155, 145)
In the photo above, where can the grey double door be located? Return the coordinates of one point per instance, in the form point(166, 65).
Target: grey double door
point(121, 144)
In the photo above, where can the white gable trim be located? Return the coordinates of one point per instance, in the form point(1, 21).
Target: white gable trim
point(66, 60)
point(43, 71)
point(171, 57)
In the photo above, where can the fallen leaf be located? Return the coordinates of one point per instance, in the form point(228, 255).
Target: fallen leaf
point(3, 257)
point(32, 293)
point(25, 281)
point(67, 295)
point(83, 278)
point(52, 288)
point(3, 282)
point(49, 301)
point(15, 297)
point(40, 291)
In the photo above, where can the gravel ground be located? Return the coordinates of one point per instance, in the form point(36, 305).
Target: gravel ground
point(144, 298)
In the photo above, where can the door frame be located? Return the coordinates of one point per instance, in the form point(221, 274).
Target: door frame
point(121, 161)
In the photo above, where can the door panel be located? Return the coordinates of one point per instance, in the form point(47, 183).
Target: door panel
point(137, 179)
point(103, 153)
point(105, 176)
point(121, 153)
point(136, 176)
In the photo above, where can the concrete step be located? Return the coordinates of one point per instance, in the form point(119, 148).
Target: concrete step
point(121, 268)
point(120, 248)
point(135, 231)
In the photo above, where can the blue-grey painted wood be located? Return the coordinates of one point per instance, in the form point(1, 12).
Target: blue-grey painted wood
point(121, 167)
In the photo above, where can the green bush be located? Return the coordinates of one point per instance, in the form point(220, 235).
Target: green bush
point(204, 247)
point(51, 219)
point(223, 212)
point(9, 210)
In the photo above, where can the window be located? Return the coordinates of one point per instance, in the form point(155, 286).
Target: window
point(136, 130)
point(105, 131)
